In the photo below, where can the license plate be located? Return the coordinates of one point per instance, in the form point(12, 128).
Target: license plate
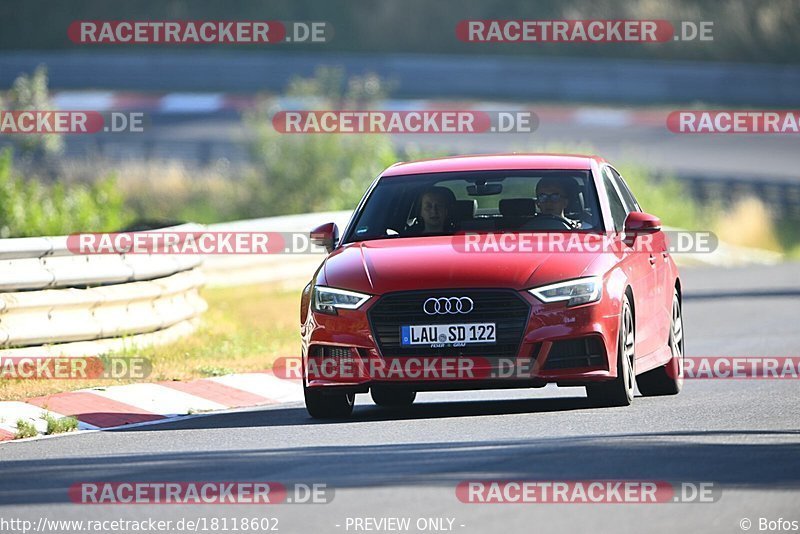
point(448, 334)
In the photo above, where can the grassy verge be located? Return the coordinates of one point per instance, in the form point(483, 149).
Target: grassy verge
point(245, 329)
point(25, 429)
point(55, 425)
point(59, 425)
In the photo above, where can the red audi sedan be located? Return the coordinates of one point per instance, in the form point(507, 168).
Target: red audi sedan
point(492, 271)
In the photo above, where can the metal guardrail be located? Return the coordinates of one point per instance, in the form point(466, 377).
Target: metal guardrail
point(48, 295)
point(287, 269)
point(53, 301)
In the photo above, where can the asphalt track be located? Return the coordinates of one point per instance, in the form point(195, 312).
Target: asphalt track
point(742, 435)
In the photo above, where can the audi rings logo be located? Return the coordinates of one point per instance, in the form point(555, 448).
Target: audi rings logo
point(445, 305)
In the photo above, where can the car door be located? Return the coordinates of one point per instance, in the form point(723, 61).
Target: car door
point(658, 256)
point(639, 268)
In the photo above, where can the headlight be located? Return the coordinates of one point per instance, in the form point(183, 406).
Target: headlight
point(575, 292)
point(328, 299)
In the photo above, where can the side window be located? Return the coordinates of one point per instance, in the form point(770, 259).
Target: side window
point(618, 211)
point(622, 187)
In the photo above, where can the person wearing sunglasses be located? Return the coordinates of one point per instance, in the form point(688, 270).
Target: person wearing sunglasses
point(552, 199)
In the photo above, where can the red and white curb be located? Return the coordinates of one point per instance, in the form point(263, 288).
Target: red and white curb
point(115, 406)
point(207, 103)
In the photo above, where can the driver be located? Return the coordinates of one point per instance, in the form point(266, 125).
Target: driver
point(552, 199)
point(436, 205)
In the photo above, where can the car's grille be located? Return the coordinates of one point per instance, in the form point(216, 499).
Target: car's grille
point(505, 308)
point(573, 353)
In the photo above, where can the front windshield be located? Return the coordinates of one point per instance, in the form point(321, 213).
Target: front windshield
point(494, 201)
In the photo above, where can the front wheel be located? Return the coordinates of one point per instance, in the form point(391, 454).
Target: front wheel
point(328, 406)
point(619, 391)
point(667, 379)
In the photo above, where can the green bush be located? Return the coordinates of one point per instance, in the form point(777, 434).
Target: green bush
point(296, 173)
point(29, 92)
point(171, 191)
point(59, 425)
point(29, 207)
point(666, 198)
point(25, 429)
point(301, 174)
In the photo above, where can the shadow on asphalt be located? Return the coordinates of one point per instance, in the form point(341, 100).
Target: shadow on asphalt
point(670, 456)
point(292, 416)
point(735, 458)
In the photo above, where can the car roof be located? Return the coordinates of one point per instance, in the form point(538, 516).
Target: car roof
point(495, 162)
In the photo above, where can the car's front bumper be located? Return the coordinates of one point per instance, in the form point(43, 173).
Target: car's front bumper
point(567, 346)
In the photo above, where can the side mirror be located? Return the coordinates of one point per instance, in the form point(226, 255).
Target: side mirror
point(325, 236)
point(638, 223)
point(642, 223)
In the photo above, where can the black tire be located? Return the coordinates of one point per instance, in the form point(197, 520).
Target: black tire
point(667, 379)
point(619, 391)
point(328, 406)
point(393, 397)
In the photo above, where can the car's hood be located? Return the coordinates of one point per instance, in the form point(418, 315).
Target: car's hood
point(386, 265)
